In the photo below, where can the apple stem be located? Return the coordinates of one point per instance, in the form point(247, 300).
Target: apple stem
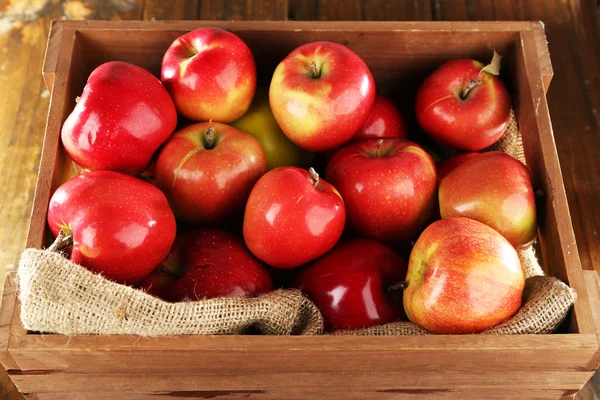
point(209, 139)
point(398, 286)
point(314, 176)
point(472, 83)
point(315, 71)
point(379, 144)
point(62, 241)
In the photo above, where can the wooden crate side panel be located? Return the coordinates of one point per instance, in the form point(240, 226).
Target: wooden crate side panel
point(7, 313)
point(558, 239)
point(54, 164)
point(252, 361)
point(299, 381)
point(317, 344)
point(404, 394)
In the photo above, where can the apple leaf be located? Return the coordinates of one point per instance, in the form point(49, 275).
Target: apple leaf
point(494, 66)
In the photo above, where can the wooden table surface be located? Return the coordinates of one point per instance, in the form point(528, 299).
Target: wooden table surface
point(572, 27)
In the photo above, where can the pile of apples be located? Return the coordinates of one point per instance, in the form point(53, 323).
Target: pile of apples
point(196, 186)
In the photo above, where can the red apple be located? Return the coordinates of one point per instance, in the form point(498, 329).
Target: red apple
point(121, 226)
point(122, 117)
point(207, 171)
point(321, 94)
point(159, 282)
point(461, 106)
point(352, 285)
point(388, 187)
point(218, 265)
point(444, 167)
point(463, 277)
point(493, 188)
point(385, 121)
point(292, 217)
point(210, 74)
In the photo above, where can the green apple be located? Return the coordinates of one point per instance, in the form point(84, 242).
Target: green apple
point(259, 122)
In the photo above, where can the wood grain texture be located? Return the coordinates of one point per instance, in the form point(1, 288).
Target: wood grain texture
point(255, 10)
point(404, 394)
point(297, 381)
point(171, 10)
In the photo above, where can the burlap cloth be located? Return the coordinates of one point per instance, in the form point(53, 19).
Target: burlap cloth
point(58, 296)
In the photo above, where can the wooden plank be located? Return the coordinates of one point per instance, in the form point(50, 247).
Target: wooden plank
point(592, 283)
point(405, 394)
point(238, 10)
point(7, 312)
point(558, 241)
point(49, 167)
point(318, 344)
point(171, 10)
point(544, 59)
point(49, 67)
point(383, 26)
point(299, 381)
point(200, 361)
point(374, 10)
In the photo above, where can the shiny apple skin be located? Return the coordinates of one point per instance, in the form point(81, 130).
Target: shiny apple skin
point(320, 114)
point(471, 124)
point(463, 277)
point(444, 167)
point(122, 117)
point(350, 284)
point(122, 227)
point(289, 222)
point(218, 264)
point(206, 186)
point(385, 121)
point(388, 198)
point(493, 188)
point(210, 74)
point(259, 122)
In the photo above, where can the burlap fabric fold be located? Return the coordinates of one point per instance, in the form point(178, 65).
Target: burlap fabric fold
point(59, 296)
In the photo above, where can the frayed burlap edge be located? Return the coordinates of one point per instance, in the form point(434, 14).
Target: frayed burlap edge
point(59, 296)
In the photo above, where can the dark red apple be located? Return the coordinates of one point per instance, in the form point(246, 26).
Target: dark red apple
point(121, 226)
point(385, 121)
point(463, 107)
point(388, 187)
point(321, 94)
point(211, 74)
point(353, 284)
point(494, 188)
point(122, 117)
point(218, 265)
point(292, 217)
point(207, 171)
point(444, 167)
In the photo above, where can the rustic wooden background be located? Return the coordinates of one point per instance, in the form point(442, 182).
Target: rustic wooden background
point(573, 30)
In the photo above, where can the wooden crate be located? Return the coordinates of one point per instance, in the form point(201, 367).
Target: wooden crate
point(400, 55)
